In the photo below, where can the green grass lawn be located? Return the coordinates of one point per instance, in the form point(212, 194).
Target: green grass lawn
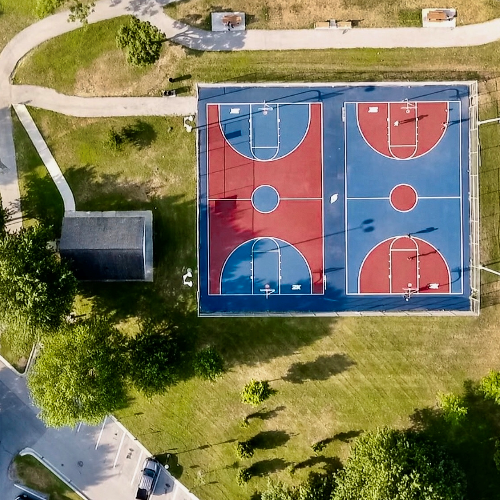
point(34, 475)
point(15, 15)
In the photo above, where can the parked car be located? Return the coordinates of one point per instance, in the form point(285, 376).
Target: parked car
point(149, 477)
point(24, 496)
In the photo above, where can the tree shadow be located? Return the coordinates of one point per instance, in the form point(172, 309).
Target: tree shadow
point(265, 415)
point(322, 368)
point(268, 440)
point(172, 461)
point(346, 437)
point(42, 201)
point(139, 134)
point(471, 443)
point(265, 467)
point(330, 464)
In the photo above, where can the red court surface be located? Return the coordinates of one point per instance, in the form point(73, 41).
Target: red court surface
point(233, 178)
point(402, 130)
point(399, 263)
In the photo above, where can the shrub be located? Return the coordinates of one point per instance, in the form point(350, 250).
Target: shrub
point(208, 364)
point(142, 42)
point(114, 140)
point(255, 392)
point(243, 476)
point(490, 386)
point(244, 449)
point(319, 446)
point(496, 455)
point(453, 407)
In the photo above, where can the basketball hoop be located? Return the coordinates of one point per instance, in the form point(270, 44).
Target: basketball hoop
point(265, 109)
point(409, 291)
point(267, 290)
point(409, 106)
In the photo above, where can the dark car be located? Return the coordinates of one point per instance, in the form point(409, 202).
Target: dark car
point(149, 477)
point(25, 496)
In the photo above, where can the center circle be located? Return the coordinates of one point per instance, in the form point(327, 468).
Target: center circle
point(403, 198)
point(265, 199)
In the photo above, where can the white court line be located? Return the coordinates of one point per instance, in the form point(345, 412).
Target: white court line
point(100, 433)
point(119, 449)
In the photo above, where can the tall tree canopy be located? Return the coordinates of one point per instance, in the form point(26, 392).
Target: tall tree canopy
point(79, 375)
point(141, 40)
point(34, 282)
point(399, 465)
point(156, 355)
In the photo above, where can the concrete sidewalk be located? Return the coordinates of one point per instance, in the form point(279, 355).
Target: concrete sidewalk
point(46, 156)
point(41, 97)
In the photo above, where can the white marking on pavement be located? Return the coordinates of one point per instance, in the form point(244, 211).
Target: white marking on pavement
point(136, 467)
point(100, 433)
point(119, 449)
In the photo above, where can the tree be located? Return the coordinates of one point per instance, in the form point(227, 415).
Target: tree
point(141, 40)
point(156, 355)
point(208, 364)
point(490, 386)
point(34, 282)
point(79, 376)
point(453, 408)
point(244, 449)
point(399, 465)
point(79, 11)
point(255, 392)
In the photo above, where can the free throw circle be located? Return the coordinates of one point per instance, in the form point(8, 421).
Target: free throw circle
point(403, 198)
point(265, 199)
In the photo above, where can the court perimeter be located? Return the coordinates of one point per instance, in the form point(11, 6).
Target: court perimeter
point(337, 199)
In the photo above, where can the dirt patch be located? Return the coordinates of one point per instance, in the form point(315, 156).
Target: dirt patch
point(111, 75)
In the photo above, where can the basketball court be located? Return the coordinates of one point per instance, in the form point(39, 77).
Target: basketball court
point(334, 199)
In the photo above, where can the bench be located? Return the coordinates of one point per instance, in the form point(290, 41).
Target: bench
point(345, 25)
point(438, 15)
point(232, 20)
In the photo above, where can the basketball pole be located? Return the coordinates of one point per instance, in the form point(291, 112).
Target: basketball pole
point(491, 120)
point(482, 268)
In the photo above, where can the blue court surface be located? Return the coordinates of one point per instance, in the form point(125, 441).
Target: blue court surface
point(334, 199)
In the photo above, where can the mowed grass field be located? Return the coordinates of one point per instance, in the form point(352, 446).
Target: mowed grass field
point(294, 14)
point(335, 377)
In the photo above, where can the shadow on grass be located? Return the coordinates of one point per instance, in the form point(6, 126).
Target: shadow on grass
point(472, 443)
point(322, 368)
point(265, 414)
point(172, 461)
point(42, 201)
point(268, 440)
point(265, 467)
point(242, 340)
point(329, 464)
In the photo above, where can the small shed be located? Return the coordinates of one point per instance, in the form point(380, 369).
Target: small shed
point(228, 21)
point(108, 246)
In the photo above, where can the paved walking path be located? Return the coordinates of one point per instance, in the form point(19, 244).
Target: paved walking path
point(41, 97)
point(48, 160)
